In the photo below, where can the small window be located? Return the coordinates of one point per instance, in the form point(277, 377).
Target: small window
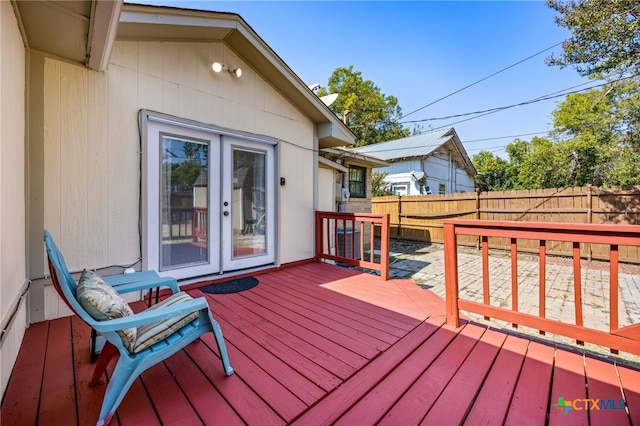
point(357, 178)
point(442, 188)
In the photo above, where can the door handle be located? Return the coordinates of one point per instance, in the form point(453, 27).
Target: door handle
point(226, 213)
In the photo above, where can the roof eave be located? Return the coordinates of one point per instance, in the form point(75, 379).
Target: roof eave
point(162, 23)
point(103, 28)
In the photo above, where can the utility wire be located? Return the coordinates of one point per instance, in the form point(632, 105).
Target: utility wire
point(505, 137)
point(501, 108)
point(483, 113)
point(481, 80)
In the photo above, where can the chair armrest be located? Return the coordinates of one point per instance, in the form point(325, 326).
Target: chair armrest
point(126, 283)
point(152, 315)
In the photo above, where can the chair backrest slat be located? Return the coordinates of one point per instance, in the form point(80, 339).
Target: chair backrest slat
point(63, 282)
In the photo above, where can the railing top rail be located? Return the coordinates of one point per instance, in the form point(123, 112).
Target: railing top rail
point(561, 226)
point(558, 231)
point(347, 215)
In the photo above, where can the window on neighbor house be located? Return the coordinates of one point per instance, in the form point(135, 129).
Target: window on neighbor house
point(357, 178)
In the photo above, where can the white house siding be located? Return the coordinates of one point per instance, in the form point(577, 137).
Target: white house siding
point(91, 139)
point(464, 182)
point(13, 279)
point(440, 169)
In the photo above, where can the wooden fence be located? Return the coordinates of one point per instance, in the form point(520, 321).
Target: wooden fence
point(420, 217)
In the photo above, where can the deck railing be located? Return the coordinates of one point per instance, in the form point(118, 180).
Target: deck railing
point(626, 338)
point(349, 238)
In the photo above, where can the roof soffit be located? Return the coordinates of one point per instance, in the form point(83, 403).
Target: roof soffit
point(80, 31)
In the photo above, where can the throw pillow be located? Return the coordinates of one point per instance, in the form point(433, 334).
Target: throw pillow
point(103, 303)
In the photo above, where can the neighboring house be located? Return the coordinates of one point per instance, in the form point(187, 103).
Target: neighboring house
point(120, 135)
point(429, 163)
point(349, 173)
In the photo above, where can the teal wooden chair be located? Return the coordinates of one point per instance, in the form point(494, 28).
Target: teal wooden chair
point(141, 339)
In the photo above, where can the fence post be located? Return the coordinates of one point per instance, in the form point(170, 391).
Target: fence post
point(451, 274)
point(478, 216)
point(399, 217)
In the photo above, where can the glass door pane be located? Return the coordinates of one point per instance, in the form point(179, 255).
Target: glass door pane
point(184, 202)
point(249, 203)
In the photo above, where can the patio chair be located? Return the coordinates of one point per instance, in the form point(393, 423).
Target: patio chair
point(142, 339)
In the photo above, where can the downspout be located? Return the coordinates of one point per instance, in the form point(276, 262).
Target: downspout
point(450, 173)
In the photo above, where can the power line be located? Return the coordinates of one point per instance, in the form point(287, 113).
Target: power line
point(501, 108)
point(481, 80)
point(544, 98)
point(506, 137)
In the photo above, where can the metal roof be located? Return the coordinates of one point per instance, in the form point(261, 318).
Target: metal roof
point(413, 146)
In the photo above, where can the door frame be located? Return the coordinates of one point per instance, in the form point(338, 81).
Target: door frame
point(228, 261)
point(149, 197)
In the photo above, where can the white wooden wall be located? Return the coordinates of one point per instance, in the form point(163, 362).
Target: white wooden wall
point(12, 191)
point(92, 162)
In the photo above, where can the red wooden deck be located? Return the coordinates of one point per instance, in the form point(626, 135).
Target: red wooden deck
point(318, 344)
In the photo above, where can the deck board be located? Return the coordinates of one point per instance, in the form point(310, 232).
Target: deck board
point(89, 398)
point(630, 382)
point(249, 405)
point(457, 397)
point(347, 324)
point(568, 384)
point(210, 406)
point(530, 400)
point(450, 348)
point(492, 403)
point(603, 385)
point(171, 405)
point(58, 378)
point(317, 344)
point(21, 399)
point(331, 302)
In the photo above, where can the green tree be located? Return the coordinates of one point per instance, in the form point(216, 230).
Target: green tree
point(493, 172)
point(600, 135)
point(542, 166)
point(379, 187)
point(605, 36)
point(371, 115)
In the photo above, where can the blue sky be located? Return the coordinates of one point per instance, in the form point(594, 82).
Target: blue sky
point(421, 51)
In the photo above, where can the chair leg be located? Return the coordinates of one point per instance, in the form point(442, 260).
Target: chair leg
point(103, 360)
point(222, 347)
point(94, 355)
point(125, 373)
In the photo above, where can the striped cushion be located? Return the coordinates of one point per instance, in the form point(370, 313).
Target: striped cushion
point(103, 303)
point(150, 334)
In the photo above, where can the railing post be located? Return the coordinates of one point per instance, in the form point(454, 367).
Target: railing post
point(384, 248)
point(319, 237)
point(451, 274)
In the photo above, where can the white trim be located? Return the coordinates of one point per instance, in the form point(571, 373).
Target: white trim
point(203, 127)
point(333, 165)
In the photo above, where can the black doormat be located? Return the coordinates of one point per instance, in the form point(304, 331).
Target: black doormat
point(232, 286)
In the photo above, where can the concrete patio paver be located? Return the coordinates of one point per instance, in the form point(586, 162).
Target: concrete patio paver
point(424, 264)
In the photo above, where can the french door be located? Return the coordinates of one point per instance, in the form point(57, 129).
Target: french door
point(208, 200)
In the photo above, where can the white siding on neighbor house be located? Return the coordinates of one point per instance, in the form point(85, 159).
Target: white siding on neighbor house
point(92, 145)
point(439, 169)
point(13, 263)
point(464, 182)
point(402, 167)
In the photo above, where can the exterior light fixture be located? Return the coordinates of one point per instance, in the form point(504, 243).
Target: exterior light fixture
point(217, 67)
